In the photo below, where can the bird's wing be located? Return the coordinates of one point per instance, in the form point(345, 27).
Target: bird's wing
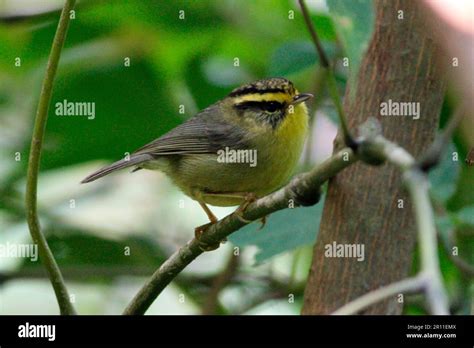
point(203, 133)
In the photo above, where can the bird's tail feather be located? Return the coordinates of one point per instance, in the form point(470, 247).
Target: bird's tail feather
point(124, 163)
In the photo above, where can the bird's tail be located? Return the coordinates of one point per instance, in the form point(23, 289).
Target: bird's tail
point(124, 163)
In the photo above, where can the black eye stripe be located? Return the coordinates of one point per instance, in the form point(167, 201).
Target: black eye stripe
point(270, 106)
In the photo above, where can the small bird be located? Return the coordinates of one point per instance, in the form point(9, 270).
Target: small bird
point(243, 147)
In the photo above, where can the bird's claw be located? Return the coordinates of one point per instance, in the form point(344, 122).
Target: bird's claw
point(198, 232)
point(248, 199)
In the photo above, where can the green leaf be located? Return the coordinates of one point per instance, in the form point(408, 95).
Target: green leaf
point(461, 225)
point(354, 23)
point(443, 178)
point(292, 57)
point(285, 230)
point(324, 26)
point(465, 216)
point(444, 224)
point(92, 258)
point(204, 91)
point(132, 108)
point(464, 194)
point(295, 56)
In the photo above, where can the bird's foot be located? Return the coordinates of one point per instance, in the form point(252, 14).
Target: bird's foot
point(248, 199)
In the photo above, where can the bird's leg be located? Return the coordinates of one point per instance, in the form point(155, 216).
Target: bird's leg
point(198, 231)
point(210, 215)
point(247, 198)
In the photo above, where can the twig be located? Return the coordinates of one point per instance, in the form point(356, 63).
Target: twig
point(314, 35)
point(302, 190)
point(46, 255)
point(409, 285)
point(331, 79)
point(418, 187)
point(219, 283)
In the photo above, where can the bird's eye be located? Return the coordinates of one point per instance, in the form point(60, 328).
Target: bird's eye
point(272, 106)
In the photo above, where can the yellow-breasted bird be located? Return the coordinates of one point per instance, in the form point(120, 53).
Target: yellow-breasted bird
point(268, 117)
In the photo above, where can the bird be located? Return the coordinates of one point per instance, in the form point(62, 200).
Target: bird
point(240, 148)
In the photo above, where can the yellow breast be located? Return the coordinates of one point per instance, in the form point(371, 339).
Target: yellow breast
point(287, 145)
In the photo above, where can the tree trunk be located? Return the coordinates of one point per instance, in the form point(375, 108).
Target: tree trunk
point(362, 202)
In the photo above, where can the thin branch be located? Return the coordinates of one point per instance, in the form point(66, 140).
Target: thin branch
point(46, 255)
point(219, 283)
point(331, 79)
point(409, 285)
point(314, 35)
point(304, 189)
point(418, 187)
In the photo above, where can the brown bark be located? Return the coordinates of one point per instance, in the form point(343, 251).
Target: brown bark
point(361, 204)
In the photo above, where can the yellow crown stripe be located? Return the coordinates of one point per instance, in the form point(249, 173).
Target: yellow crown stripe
point(256, 97)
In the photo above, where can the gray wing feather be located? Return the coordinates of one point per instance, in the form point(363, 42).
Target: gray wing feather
point(134, 160)
point(203, 133)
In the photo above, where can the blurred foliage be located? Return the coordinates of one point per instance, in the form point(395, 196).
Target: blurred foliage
point(443, 178)
point(137, 103)
point(174, 61)
point(193, 61)
point(280, 232)
point(92, 251)
point(296, 56)
point(354, 22)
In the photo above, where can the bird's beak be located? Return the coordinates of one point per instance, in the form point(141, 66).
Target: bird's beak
point(301, 98)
